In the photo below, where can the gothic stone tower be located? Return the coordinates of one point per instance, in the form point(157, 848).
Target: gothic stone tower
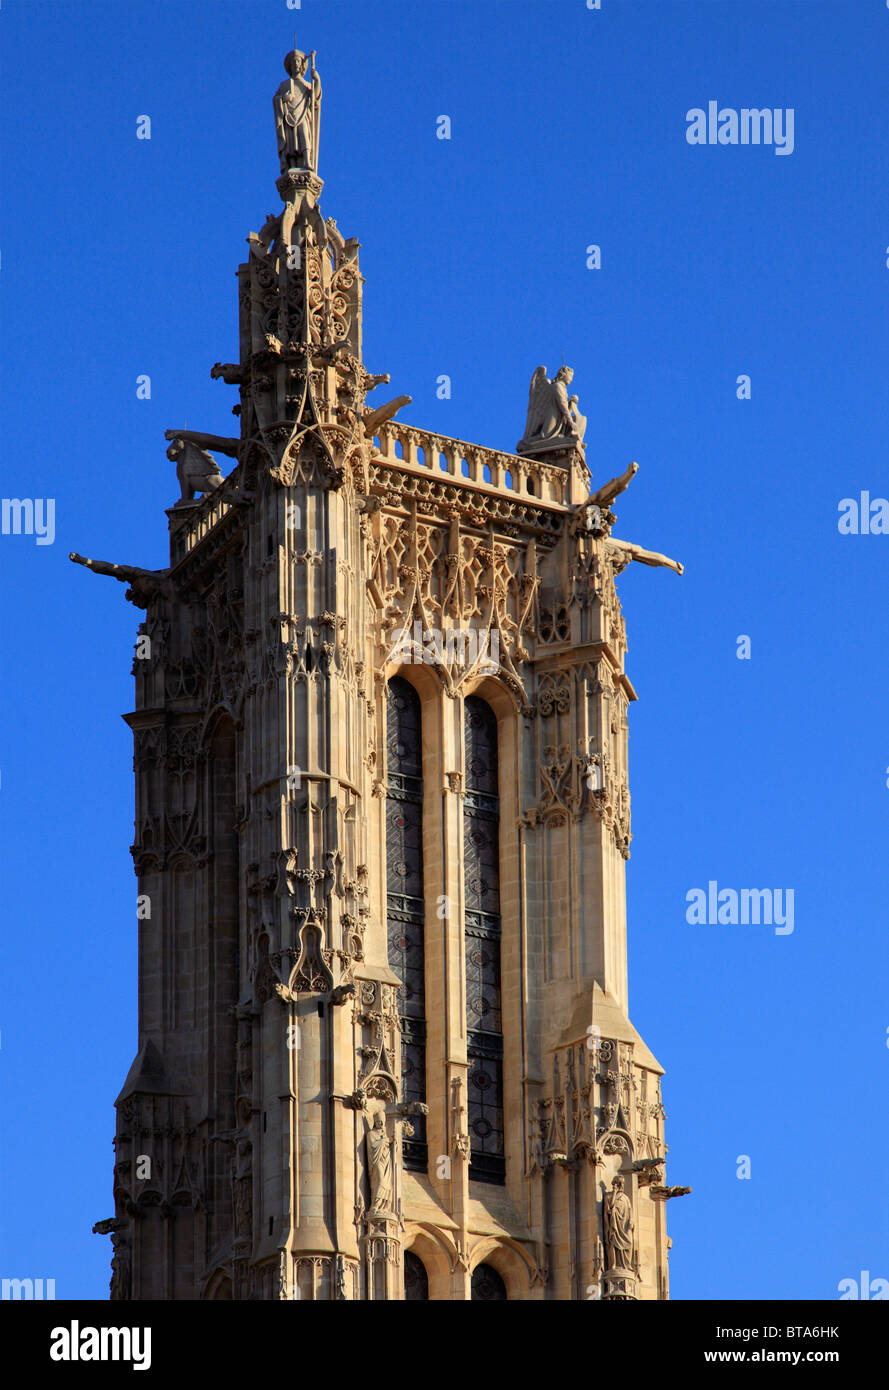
point(382, 818)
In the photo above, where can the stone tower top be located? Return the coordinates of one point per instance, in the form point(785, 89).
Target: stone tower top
point(303, 412)
point(381, 818)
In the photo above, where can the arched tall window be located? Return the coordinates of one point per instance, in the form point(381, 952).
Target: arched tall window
point(481, 867)
point(416, 1280)
point(487, 1285)
point(405, 902)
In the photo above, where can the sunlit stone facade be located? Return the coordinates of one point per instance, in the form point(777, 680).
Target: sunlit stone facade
point(382, 822)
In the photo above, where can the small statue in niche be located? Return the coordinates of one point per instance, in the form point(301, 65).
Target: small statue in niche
point(618, 1215)
point(120, 1270)
point(379, 1165)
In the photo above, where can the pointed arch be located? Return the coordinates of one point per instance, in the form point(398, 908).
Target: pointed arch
point(436, 1249)
point(509, 1260)
point(218, 1287)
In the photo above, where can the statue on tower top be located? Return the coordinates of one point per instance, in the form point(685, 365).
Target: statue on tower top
point(297, 105)
point(553, 418)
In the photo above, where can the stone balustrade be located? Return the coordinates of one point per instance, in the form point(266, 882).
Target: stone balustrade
point(403, 445)
point(396, 443)
point(189, 527)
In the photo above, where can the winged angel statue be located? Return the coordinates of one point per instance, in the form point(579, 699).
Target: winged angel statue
point(552, 414)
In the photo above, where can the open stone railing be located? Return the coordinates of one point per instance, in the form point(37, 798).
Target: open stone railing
point(489, 468)
point(198, 521)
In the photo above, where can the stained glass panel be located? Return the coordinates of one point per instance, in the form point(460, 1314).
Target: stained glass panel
point(481, 866)
point(405, 903)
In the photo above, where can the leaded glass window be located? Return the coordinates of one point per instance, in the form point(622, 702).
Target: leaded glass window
point(481, 867)
point(405, 902)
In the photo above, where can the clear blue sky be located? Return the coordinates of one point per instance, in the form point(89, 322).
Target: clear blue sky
point(118, 258)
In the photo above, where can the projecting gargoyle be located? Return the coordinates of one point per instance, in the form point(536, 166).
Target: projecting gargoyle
point(111, 1223)
point(645, 557)
point(587, 517)
point(663, 1194)
point(370, 382)
point(608, 491)
point(372, 419)
point(221, 443)
point(229, 371)
point(145, 585)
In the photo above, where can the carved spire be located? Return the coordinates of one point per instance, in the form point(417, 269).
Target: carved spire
point(301, 377)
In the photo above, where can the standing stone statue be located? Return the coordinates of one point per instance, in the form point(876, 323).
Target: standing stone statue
point(298, 114)
point(618, 1212)
point(243, 1189)
point(553, 416)
point(578, 420)
point(379, 1162)
point(120, 1270)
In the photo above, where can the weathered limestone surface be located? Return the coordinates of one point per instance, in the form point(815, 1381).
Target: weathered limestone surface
point(260, 1129)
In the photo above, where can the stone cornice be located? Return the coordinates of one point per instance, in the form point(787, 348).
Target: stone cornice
point(480, 506)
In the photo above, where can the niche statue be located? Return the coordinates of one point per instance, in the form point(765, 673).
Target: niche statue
point(618, 1227)
point(379, 1164)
